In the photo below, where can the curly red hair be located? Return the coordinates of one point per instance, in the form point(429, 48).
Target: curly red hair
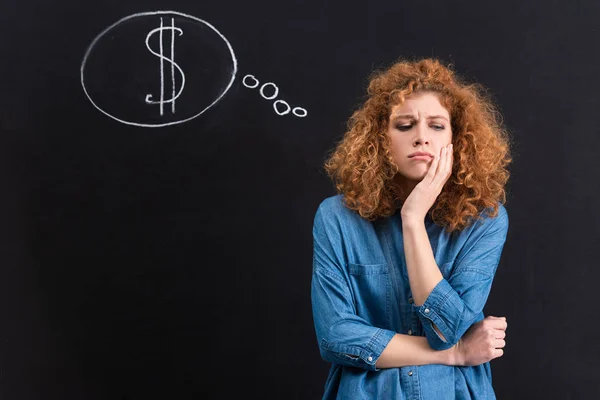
point(362, 167)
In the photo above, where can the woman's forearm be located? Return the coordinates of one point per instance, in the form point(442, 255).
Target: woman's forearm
point(423, 272)
point(405, 350)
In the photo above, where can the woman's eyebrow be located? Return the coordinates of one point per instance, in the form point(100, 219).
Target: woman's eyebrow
point(410, 116)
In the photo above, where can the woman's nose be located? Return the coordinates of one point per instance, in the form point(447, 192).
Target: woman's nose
point(421, 135)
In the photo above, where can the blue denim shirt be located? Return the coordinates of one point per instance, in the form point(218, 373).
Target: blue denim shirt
point(361, 297)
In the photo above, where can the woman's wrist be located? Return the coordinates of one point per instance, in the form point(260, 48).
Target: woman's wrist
point(454, 356)
point(410, 220)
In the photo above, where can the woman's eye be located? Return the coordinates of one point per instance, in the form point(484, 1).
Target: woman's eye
point(409, 126)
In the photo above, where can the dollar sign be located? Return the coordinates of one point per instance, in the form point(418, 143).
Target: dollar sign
point(175, 94)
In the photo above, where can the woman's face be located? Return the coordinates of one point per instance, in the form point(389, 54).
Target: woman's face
point(420, 124)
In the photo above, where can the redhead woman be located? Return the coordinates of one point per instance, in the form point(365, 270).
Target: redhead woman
point(406, 252)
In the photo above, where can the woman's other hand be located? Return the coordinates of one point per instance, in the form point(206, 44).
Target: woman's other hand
point(482, 342)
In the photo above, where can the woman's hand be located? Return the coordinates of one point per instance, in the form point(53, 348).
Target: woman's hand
point(421, 199)
point(482, 342)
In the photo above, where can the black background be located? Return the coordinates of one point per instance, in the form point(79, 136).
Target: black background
point(175, 263)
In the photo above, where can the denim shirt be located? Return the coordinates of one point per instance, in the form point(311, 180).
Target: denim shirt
point(361, 297)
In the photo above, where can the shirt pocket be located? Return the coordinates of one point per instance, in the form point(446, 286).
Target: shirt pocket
point(371, 287)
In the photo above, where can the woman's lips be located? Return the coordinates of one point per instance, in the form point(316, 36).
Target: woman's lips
point(423, 158)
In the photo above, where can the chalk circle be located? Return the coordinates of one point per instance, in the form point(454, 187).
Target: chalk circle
point(105, 33)
point(262, 91)
point(248, 86)
point(299, 112)
point(287, 111)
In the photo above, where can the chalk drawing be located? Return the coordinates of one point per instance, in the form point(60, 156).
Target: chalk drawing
point(105, 34)
point(274, 95)
point(287, 110)
point(178, 77)
point(297, 111)
point(250, 86)
point(174, 65)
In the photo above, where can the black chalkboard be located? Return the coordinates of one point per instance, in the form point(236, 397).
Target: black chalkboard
point(156, 251)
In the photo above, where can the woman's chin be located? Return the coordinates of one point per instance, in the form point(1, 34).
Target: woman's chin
point(415, 175)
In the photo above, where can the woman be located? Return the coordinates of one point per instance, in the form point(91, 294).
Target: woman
point(405, 254)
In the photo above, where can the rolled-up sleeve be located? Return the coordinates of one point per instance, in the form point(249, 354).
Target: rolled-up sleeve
point(343, 337)
point(456, 303)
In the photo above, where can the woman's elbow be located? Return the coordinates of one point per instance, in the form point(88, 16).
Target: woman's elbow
point(438, 341)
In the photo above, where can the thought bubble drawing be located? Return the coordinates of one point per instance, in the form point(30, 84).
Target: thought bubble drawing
point(251, 82)
point(155, 69)
point(162, 68)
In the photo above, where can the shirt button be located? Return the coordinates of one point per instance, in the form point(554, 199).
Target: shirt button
point(409, 373)
point(370, 358)
point(410, 300)
point(409, 332)
point(427, 311)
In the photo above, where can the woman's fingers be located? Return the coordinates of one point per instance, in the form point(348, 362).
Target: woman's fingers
point(440, 168)
point(442, 164)
point(444, 167)
point(450, 159)
point(431, 172)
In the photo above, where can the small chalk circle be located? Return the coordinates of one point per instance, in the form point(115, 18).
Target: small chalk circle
point(299, 112)
point(262, 91)
point(287, 110)
point(250, 86)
